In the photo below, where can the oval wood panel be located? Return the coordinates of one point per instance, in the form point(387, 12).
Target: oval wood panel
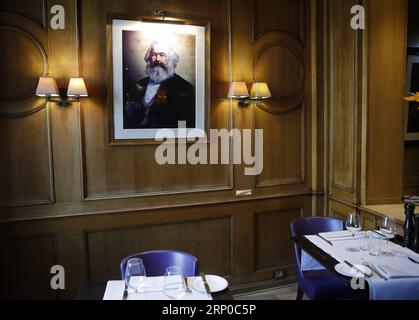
point(24, 60)
point(22, 77)
point(279, 61)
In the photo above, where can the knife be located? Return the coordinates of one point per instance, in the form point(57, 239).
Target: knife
point(379, 233)
point(204, 280)
point(323, 238)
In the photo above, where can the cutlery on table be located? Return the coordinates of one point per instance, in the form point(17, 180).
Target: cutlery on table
point(357, 269)
point(414, 261)
point(373, 268)
point(323, 238)
point(187, 288)
point(379, 233)
point(206, 286)
point(341, 236)
point(344, 239)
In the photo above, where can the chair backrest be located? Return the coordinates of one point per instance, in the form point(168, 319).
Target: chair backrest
point(156, 262)
point(310, 226)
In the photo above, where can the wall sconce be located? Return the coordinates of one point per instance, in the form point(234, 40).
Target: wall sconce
point(238, 91)
point(47, 88)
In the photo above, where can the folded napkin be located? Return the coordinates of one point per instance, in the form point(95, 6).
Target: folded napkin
point(391, 272)
point(114, 290)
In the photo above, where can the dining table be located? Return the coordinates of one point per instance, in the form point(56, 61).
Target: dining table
point(319, 253)
point(96, 291)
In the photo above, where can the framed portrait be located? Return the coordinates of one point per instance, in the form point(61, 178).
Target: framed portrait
point(412, 108)
point(160, 78)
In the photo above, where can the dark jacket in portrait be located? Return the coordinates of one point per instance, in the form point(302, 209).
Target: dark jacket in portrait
point(173, 102)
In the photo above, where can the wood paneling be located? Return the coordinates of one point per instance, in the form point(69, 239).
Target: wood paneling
point(26, 168)
point(345, 86)
point(25, 268)
point(97, 201)
point(201, 239)
point(340, 210)
point(126, 171)
point(386, 77)
point(34, 9)
point(272, 231)
point(281, 57)
point(245, 241)
point(365, 71)
point(284, 133)
point(273, 15)
point(26, 160)
point(21, 72)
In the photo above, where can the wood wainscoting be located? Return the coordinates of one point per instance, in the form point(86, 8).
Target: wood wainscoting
point(244, 241)
point(71, 196)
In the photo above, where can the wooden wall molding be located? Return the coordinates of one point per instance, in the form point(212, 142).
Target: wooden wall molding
point(49, 168)
point(177, 235)
point(273, 241)
point(96, 176)
point(298, 180)
point(282, 50)
point(344, 94)
point(354, 85)
point(22, 75)
point(257, 33)
point(104, 191)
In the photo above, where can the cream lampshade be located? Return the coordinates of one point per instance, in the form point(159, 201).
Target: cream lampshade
point(47, 87)
point(238, 90)
point(77, 88)
point(260, 90)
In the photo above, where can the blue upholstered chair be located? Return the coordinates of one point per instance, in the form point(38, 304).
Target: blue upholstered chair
point(156, 262)
point(319, 284)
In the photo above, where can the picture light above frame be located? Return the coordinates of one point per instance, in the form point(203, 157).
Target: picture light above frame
point(47, 88)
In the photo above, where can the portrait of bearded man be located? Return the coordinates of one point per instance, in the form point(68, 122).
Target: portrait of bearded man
point(163, 98)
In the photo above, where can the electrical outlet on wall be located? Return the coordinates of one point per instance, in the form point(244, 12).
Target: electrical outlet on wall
point(279, 274)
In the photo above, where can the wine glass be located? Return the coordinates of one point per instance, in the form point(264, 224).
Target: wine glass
point(353, 225)
point(174, 284)
point(135, 275)
point(388, 228)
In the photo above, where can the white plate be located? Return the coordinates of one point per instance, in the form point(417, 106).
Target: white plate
point(215, 283)
point(346, 270)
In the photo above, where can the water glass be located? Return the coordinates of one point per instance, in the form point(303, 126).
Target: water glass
point(174, 283)
point(375, 244)
point(364, 242)
point(135, 275)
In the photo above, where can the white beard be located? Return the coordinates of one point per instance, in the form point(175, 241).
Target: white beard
point(159, 74)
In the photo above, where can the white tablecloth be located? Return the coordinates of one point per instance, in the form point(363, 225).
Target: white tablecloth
point(153, 291)
point(392, 289)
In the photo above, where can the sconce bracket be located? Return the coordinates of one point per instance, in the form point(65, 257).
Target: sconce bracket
point(243, 103)
point(63, 100)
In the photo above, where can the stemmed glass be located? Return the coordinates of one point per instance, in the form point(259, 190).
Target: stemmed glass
point(135, 275)
point(353, 225)
point(388, 228)
point(174, 284)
